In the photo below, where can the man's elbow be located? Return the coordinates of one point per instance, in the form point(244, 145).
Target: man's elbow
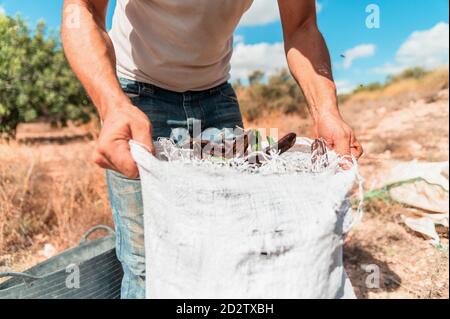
point(303, 31)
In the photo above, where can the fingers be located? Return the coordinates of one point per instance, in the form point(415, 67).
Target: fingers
point(123, 160)
point(141, 132)
point(356, 149)
point(342, 146)
point(128, 168)
point(113, 149)
point(119, 159)
point(348, 148)
point(343, 149)
point(101, 161)
point(339, 137)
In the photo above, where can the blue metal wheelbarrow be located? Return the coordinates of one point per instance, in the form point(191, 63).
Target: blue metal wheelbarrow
point(89, 271)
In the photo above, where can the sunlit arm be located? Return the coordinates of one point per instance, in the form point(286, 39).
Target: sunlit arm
point(91, 55)
point(309, 62)
point(90, 51)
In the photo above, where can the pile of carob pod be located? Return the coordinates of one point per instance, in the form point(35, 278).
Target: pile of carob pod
point(247, 146)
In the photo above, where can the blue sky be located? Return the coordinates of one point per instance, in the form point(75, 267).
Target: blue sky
point(411, 32)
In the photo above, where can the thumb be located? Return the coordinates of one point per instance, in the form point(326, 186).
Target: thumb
point(342, 147)
point(142, 133)
point(356, 148)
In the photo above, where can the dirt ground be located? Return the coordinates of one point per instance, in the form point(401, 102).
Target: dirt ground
point(391, 131)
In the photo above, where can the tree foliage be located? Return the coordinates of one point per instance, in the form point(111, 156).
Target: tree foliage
point(35, 79)
point(280, 92)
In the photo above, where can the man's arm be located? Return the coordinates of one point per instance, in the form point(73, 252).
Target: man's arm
point(90, 53)
point(309, 62)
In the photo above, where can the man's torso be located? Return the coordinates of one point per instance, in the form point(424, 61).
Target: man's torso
point(178, 45)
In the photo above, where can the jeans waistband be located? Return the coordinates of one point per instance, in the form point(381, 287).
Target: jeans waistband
point(147, 88)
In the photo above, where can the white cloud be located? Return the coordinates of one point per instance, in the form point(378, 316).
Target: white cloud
point(266, 57)
point(344, 86)
point(358, 52)
point(2, 11)
point(261, 12)
point(261, 56)
point(388, 68)
point(428, 49)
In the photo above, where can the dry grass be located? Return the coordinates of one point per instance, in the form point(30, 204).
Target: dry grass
point(48, 195)
point(412, 88)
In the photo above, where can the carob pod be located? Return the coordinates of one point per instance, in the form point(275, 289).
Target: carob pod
point(229, 149)
point(283, 145)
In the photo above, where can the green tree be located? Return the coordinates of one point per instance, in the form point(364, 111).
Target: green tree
point(256, 77)
point(281, 92)
point(36, 82)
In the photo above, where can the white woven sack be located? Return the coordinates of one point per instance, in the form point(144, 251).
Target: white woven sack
point(215, 232)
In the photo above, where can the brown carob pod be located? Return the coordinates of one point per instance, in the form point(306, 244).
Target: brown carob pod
point(236, 147)
point(283, 145)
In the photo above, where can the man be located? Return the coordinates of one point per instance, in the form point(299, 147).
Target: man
point(165, 65)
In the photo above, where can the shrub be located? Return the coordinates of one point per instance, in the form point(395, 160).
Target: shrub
point(375, 86)
point(412, 73)
point(36, 82)
point(281, 92)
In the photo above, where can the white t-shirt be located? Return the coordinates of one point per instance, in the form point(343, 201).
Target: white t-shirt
point(178, 45)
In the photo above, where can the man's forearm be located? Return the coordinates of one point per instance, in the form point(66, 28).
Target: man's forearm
point(309, 61)
point(91, 53)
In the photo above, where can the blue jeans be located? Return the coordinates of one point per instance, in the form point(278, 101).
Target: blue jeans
point(168, 112)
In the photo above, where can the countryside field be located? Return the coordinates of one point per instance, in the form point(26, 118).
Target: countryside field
point(51, 192)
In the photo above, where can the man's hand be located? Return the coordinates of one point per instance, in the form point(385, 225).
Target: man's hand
point(119, 126)
point(337, 134)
